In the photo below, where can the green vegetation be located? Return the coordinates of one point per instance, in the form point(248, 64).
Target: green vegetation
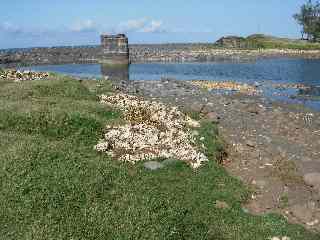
point(284, 201)
point(261, 41)
point(269, 42)
point(309, 19)
point(54, 185)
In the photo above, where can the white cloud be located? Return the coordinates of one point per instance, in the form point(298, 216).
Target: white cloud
point(153, 26)
point(132, 25)
point(141, 25)
point(84, 26)
point(10, 28)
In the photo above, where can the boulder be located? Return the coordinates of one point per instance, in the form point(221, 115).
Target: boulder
point(312, 179)
point(195, 107)
point(153, 165)
point(213, 117)
point(302, 212)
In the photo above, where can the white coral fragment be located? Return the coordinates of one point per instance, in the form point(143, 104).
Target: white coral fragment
point(154, 131)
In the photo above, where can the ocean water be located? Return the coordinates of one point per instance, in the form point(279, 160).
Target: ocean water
point(265, 73)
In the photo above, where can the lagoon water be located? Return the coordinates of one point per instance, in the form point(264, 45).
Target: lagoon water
point(263, 72)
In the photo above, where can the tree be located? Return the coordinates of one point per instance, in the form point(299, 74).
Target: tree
point(309, 19)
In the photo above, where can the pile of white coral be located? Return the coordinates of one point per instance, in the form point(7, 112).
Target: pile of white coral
point(17, 76)
point(154, 130)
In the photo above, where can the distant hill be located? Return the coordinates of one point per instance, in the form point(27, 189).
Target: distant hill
point(256, 41)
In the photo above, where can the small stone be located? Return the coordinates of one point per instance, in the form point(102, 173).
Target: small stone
point(193, 123)
point(302, 212)
point(306, 159)
point(309, 166)
point(195, 133)
point(250, 143)
point(245, 210)
point(275, 238)
point(253, 109)
point(285, 238)
point(314, 222)
point(257, 84)
point(222, 205)
point(213, 117)
point(312, 179)
point(207, 108)
point(260, 183)
point(153, 165)
point(196, 107)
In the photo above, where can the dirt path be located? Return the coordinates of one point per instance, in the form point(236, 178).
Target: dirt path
point(272, 147)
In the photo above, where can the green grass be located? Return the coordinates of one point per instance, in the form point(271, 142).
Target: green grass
point(54, 185)
point(269, 42)
point(261, 41)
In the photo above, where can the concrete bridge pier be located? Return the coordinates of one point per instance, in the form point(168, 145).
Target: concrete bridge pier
point(115, 50)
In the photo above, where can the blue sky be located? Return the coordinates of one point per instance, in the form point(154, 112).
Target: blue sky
point(78, 22)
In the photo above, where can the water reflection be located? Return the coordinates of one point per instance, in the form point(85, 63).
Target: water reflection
point(115, 72)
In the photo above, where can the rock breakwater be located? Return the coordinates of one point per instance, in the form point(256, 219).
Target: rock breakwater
point(146, 53)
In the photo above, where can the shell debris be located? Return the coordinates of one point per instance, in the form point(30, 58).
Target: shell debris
point(17, 76)
point(154, 130)
point(226, 85)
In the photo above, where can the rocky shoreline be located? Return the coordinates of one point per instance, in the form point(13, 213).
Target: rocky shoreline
point(147, 53)
point(272, 147)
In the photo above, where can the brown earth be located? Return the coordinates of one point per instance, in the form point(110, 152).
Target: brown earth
point(272, 147)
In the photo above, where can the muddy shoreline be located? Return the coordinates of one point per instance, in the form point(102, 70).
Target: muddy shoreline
point(271, 146)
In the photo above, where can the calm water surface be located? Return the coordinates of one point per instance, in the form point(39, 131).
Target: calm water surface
point(263, 72)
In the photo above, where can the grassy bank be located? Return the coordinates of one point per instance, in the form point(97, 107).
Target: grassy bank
point(269, 42)
point(54, 185)
point(261, 41)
